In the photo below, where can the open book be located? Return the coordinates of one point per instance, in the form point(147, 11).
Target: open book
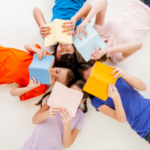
point(65, 97)
point(86, 46)
point(56, 34)
point(99, 80)
point(39, 69)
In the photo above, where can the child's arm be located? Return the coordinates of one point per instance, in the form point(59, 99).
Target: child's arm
point(132, 81)
point(44, 113)
point(126, 50)
point(32, 48)
point(68, 135)
point(81, 13)
point(39, 18)
point(100, 9)
point(117, 114)
point(20, 91)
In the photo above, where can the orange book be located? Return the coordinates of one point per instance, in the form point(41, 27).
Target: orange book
point(99, 80)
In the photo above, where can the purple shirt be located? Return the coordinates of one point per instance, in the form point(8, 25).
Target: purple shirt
point(48, 135)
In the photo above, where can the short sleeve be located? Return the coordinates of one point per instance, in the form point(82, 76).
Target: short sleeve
point(80, 121)
point(34, 93)
point(96, 102)
point(116, 57)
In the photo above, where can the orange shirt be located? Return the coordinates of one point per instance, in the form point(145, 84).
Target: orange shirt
point(14, 65)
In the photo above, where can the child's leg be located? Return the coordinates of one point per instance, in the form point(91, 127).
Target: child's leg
point(39, 18)
point(100, 17)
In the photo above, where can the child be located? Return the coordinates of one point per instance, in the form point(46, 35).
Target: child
point(14, 68)
point(120, 32)
point(66, 10)
point(124, 102)
point(56, 129)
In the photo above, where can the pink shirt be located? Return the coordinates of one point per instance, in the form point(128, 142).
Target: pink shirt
point(129, 26)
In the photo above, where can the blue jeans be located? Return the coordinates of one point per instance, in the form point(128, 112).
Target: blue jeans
point(147, 138)
point(146, 2)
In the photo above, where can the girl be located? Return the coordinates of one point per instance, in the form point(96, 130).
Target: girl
point(124, 103)
point(55, 129)
point(119, 32)
point(14, 68)
point(67, 10)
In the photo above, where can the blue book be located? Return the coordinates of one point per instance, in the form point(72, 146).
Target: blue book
point(39, 69)
point(86, 46)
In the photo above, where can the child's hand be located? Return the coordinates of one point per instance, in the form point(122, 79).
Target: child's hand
point(53, 111)
point(66, 118)
point(81, 29)
point(41, 53)
point(113, 92)
point(120, 72)
point(70, 26)
point(97, 54)
point(33, 84)
point(44, 31)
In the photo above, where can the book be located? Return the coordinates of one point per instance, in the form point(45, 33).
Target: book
point(40, 69)
point(99, 80)
point(56, 34)
point(86, 46)
point(65, 97)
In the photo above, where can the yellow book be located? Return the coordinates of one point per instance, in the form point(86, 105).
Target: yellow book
point(99, 80)
point(56, 34)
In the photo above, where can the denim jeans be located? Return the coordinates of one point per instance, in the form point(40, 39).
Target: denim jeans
point(147, 138)
point(146, 2)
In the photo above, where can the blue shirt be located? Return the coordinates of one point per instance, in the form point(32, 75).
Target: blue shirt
point(137, 108)
point(66, 9)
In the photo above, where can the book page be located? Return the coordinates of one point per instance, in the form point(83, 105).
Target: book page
point(62, 37)
point(58, 95)
point(72, 101)
point(50, 39)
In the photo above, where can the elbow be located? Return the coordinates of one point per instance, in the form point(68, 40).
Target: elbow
point(122, 119)
point(139, 44)
point(33, 121)
point(12, 93)
point(35, 10)
point(66, 145)
point(144, 87)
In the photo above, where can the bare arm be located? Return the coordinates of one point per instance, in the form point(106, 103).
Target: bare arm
point(132, 81)
point(44, 113)
point(20, 91)
point(117, 114)
point(32, 48)
point(126, 49)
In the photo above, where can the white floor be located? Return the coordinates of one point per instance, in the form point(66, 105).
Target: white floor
point(18, 27)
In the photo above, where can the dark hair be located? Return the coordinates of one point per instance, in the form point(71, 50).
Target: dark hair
point(80, 84)
point(82, 68)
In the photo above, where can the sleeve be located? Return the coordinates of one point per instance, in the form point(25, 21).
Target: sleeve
point(96, 102)
point(34, 93)
point(80, 122)
point(116, 57)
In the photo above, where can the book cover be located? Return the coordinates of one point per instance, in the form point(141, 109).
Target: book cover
point(56, 34)
point(99, 80)
point(65, 97)
point(87, 44)
point(39, 69)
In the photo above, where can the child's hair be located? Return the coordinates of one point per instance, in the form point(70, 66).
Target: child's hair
point(82, 68)
point(80, 84)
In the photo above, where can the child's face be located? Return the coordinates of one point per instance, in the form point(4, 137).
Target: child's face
point(58, 74)
point(77, 89)
point(64, 49)
point(86, 73)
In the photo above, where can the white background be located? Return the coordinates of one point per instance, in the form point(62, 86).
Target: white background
point(100, 132)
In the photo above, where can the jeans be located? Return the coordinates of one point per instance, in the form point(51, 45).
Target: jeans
point(147, 138)
point(146, 2)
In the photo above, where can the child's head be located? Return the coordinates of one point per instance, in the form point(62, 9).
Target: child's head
point(62, 75)
point(78, 85)
point(85, 71)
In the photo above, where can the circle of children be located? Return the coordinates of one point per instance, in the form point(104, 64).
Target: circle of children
point(56, 124)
